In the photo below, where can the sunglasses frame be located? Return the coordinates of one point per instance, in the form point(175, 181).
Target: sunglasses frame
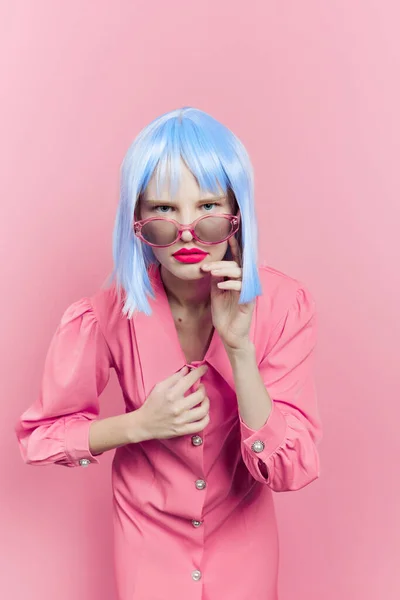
point(234, 219)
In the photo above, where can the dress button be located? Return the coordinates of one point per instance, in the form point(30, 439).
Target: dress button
point(84, 462)
point(197, 440)
point(258, 446)
point(196, 575)
point(200, 484)
point(196, 523)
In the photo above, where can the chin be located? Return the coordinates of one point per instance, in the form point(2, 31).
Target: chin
point(188, 272)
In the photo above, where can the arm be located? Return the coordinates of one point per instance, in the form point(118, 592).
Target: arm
point(255, 404)
point(55, 428)
point(112, 432)
point(278, 413)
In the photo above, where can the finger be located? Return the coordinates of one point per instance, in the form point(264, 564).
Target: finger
point(186, 382)
point(215, 280)
point(230, 285)
point(173, 379)
point(194, 401)
point(187, 403)
point(200, 388)
point(194, 414)
point(218, 264)
point(197, 426)
point(233, 272)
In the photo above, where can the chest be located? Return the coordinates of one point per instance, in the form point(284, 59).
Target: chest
point(194, 334)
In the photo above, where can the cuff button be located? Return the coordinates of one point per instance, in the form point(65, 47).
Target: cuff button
point(84, 462)
point(258, 446)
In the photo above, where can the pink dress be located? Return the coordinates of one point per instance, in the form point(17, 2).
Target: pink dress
point(193, 515)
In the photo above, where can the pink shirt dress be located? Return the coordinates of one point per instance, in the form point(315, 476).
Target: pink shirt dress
point(193, 515)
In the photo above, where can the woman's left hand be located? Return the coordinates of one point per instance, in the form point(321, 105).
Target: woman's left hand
point(231, 319)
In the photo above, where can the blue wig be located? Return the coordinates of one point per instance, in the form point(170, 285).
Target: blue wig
point(217, 159)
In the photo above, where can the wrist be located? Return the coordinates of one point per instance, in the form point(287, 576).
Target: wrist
point(242, 351)
point(135, 429)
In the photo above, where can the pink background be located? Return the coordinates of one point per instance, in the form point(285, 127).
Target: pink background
point(312, 88)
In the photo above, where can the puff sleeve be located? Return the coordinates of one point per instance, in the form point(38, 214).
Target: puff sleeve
point(283, 452)
point(55, 428)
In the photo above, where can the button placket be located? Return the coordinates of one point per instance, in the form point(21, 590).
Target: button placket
point(200, 484)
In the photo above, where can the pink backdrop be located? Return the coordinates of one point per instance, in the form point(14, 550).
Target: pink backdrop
point(312, 88)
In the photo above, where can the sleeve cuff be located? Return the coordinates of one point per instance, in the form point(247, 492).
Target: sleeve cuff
point(271, 435)
point(77, 442)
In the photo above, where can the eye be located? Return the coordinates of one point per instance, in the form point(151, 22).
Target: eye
point(210, 204)
point(158, 208)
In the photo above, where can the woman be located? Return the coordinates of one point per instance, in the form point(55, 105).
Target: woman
point(214, 356)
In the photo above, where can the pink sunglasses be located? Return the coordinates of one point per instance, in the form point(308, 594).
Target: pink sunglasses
point(208, 229)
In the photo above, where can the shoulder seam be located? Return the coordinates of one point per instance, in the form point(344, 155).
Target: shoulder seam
point(101, 330)
point(286, 311)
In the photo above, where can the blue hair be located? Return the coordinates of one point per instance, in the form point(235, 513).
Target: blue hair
point(216, 157)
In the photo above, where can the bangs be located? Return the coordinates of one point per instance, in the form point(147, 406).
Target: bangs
point(183, 140)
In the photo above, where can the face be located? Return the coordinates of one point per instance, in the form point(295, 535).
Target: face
point(188, 205)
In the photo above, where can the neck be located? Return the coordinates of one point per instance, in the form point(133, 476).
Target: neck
point(191, 295)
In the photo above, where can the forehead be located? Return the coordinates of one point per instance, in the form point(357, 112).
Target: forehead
point(160, 187)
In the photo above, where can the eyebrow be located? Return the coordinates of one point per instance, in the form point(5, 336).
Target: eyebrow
point(169, 202)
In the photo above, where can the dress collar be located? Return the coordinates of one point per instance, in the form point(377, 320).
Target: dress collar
point(159, 348)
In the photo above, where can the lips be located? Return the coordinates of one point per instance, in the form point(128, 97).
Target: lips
point(190, 252)
point(190, 255)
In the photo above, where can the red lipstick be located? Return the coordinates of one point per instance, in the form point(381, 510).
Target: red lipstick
point(190, 255)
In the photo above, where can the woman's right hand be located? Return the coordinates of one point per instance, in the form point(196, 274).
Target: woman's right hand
point(167, 413)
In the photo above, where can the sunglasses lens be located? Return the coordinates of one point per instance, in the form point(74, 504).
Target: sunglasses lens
point(213, 229)
point(159, 232)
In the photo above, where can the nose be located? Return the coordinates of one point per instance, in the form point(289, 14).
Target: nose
point(186, 236)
